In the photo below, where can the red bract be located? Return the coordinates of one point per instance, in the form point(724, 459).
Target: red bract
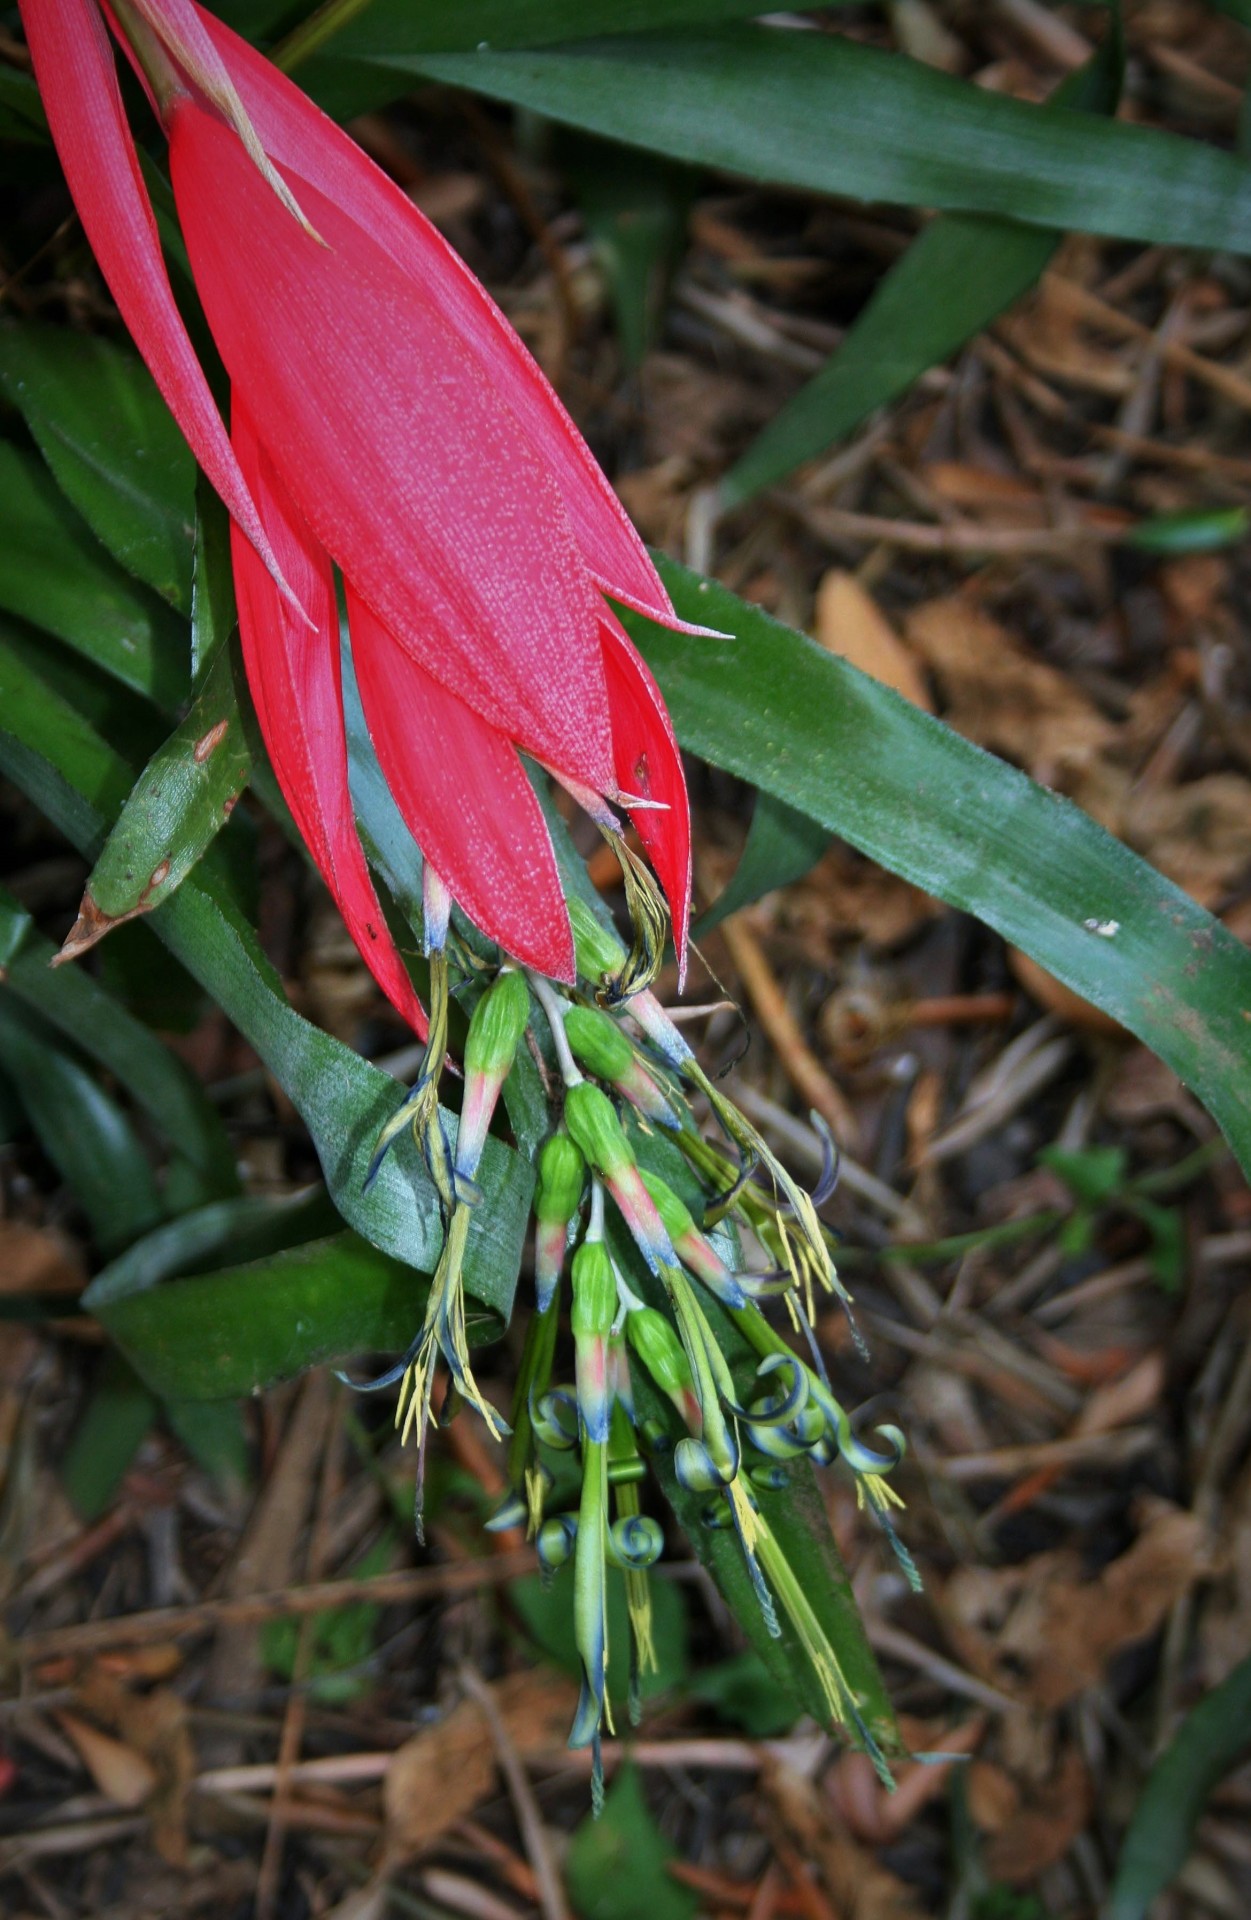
point(386, 422)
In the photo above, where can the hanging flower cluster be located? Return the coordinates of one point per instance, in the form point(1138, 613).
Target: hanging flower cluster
point(661, 1287)
point(392, 444)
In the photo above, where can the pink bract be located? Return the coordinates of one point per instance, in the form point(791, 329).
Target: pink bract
point(387, 423)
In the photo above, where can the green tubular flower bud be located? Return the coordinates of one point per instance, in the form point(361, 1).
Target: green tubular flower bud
point(598, 950)
point(598, 1042)
point(678, 1221)
point(562, 1176)
point(594, 1292)
point(498, 1022)
point(592, 1120)
point(659, 1348)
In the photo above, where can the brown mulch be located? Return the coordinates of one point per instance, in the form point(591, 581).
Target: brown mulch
point(177, 1733)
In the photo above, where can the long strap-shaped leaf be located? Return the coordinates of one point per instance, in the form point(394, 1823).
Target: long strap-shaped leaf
point(807, 728)
point(820, 112)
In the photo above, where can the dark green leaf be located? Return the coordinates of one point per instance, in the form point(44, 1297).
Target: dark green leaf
point(153, 1077)
point(181, 801)
point(111, 442)
point(616, 1864)
point(214, 1435)
point(955, 277)
point(356, 67)
point(118, 1418)
point(782, 846)
point(54, 573)
point(962, 271)
point(83, 1132)
point(219, 1336)
point(635, 206)
point(742, 1692)
point(1211, 1739)
point(822, 112)
point(21, 110)
point(224, 1234)
point(780, 712)
point(1091, 1174)
point(212, 582)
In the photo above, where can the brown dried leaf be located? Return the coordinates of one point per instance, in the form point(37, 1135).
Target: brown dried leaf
point(1199, 833)
point(859, 1888)
point(846, 895)
point(36, 1260)
point(440, 1776)
point(1044, 1829)
point(1002, 698)
point(878, 1816)
point(1042, 1632)
point(994, 1797)
point(849, 623)
point(153, 1727)
point(1001, 499)
point(121, 1774)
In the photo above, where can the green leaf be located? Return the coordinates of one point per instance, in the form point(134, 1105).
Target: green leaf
point(742, 1692)
point(1211, 1739)
point(83, 1012)
point(782, 846)
point(22, 117)
point(635, 206)
point(212, 582)
point(179, 804)
point(99, 421)
point(1091, 1174)
point(214, 1434)
point(342, 1100)
point(222, 1234)
point(83, 1132)
point(219, 1336)
point(780, 712)
point(821, 112)
point(117, 1420)
point(1203, 531)
point(357, 66)
point(615, 1866)
point(961, 271)
point(54, 573)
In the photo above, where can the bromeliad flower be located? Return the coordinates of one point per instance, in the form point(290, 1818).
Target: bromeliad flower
point(386, 423)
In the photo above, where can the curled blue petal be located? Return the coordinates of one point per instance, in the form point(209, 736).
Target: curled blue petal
point(554, 1418)
point(636, 1541)
point(696, 1470)
point(554, 1543)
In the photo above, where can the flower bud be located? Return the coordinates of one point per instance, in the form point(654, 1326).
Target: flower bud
point(562, 1175)
point(678, 1219)
point(498, 1022)
point(604, 1050)
point(693, 1248)
point(594, 1292)
point(592, 1120)
point(657, 1345)
point(598, 950)
point(495, 1031)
